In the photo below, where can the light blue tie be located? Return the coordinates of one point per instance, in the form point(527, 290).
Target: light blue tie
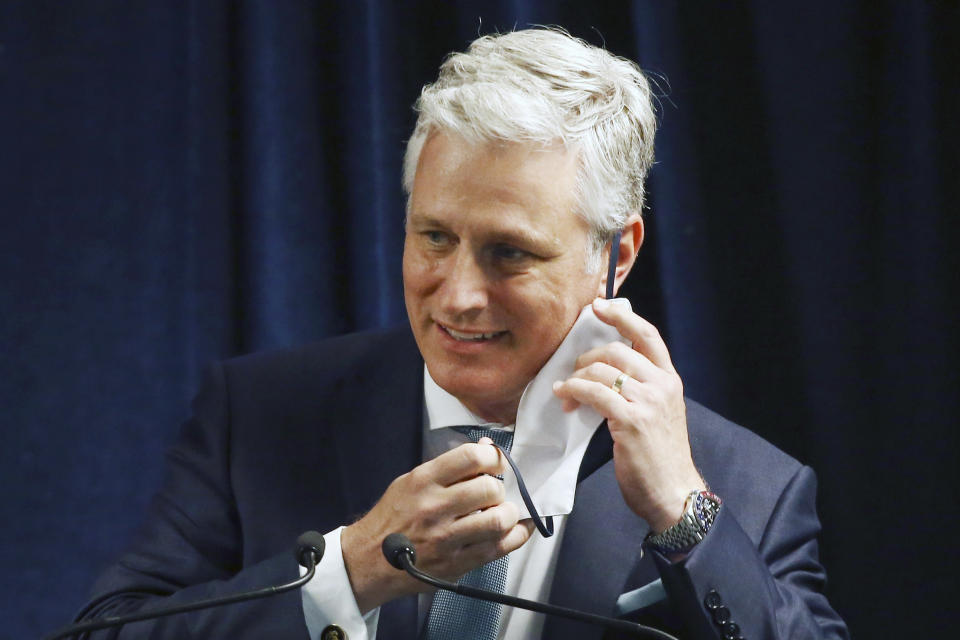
point(456, 617)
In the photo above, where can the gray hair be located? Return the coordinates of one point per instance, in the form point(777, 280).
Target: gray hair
point(543, 86)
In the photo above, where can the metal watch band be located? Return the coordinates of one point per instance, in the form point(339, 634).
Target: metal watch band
point(700, 510)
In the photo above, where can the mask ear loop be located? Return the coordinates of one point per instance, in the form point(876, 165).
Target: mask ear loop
point(612, 267)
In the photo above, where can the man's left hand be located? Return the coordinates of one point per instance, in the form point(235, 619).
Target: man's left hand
point(647, 418)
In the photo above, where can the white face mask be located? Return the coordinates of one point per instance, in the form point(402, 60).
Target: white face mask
point(549, 443)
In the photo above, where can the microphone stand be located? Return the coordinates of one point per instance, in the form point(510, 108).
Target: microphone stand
point(310, 547)
point(402, 552)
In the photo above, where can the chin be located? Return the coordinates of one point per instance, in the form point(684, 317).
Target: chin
point(466, 381)
point(477, 387)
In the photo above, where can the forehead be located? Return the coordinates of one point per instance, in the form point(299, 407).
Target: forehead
point(457, 178)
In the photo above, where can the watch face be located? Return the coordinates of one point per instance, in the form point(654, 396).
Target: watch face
point(705, 508)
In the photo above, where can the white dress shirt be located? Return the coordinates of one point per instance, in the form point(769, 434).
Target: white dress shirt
point(548, 446)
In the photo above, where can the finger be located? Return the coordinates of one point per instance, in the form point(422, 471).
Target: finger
point(602, 373)
point(601, 397)
point(464, 462)
point(566, 404)
point(482, 552)
point(643, 335)
point(467, 496)
point(486, 526)
point(622, 358)
point(515, 538)
point(488, 550)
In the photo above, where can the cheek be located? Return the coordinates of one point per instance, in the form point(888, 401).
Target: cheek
point(570, 286)
point(412, 285)
point(548, 306)
point(416, 270)
point(408, 271)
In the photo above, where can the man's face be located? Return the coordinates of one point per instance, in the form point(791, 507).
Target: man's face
point(494, 266)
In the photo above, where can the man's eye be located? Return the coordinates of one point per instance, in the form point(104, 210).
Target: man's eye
point(509, 253)
point(435, 238)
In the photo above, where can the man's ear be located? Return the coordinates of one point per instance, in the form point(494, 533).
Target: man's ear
point(631, 239)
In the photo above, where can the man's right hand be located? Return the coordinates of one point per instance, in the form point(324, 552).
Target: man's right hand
point(452, 508)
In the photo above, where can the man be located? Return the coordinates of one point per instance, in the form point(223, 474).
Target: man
point(524, 173)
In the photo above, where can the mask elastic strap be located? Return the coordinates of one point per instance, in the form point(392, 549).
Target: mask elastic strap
point(612, 267)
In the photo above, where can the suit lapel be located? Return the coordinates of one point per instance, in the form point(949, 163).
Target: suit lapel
point(389, 436)
point(600, 547)
point(390, 397)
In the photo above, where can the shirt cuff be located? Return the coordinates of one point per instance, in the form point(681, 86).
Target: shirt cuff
point(328, 598)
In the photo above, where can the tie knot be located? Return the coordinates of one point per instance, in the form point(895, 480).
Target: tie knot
point(503, 439)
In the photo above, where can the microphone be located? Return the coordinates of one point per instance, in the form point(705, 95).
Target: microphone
point(400, 553)
point(309, 551)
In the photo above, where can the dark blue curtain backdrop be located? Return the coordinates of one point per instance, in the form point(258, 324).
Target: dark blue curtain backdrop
point(182, 181)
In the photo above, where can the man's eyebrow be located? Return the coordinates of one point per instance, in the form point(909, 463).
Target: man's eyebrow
point(506, 234)
point(422, 220)
point(530, 238)
point(521, 237)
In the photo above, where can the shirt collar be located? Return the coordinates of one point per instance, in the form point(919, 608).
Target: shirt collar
point(548, 444)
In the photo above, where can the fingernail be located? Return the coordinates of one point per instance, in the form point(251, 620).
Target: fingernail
point(601, 303)
point(556, 385)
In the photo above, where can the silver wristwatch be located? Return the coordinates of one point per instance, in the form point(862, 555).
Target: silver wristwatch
point(699, 512)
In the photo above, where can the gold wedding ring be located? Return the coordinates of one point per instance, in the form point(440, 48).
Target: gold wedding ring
point(617, 385)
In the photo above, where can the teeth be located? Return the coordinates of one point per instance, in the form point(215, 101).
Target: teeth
point(459, 335)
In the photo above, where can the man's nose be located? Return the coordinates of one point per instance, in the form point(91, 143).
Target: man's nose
point(464, 286)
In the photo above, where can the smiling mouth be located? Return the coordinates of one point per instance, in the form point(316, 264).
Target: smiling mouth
point(467, 336)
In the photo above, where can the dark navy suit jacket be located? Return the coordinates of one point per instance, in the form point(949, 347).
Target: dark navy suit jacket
point(309, 438)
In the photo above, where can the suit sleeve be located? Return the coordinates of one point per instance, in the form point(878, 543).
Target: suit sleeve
point(190, 547)
point(728, 587)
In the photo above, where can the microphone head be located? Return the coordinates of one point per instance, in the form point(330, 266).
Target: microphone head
point(310, 542)
point(395, 546)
